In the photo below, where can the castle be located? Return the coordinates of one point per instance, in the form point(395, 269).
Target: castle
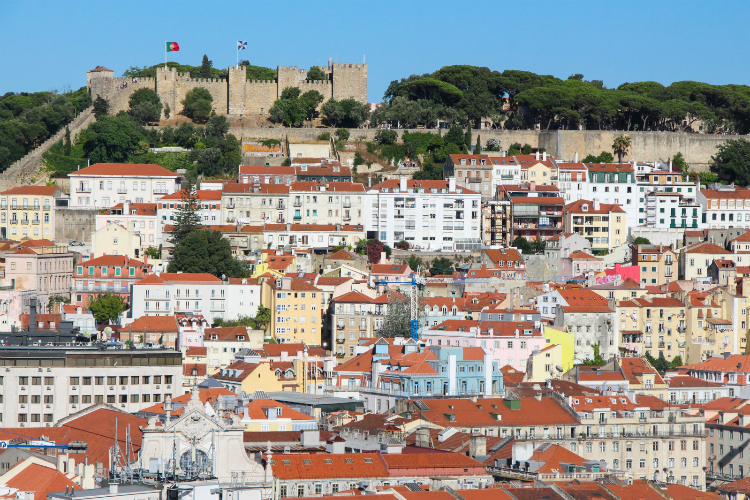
point(236, 95)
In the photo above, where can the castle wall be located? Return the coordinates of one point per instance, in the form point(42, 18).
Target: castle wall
point(350, 81)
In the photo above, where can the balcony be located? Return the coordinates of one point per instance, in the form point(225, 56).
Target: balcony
point(661, 345)
point(36, 206)
point(122, 190)
point(297, 217)
point(340, 341)
point(35, 222)
point(84, 189)
point(347, 217)
point(230, 220)
point(506, 176)
point(159, 191)
point(280, 206)
point(297, 203)
point(347, 204)
point(339, 327)
point(14, 221)
point(473, 180)
point(231, 204)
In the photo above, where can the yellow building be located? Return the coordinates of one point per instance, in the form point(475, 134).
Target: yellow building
point(241, 376)
point(277, 263)
point(114, 239)
point(566, 341)
point(267, 415)
point(542, 365)
point(28, 212)
point(295, 310)
point(658, 263)
point(708, 333)
point(603, 224)
point(656, 326)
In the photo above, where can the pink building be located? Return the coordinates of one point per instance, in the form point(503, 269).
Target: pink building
point(108, 273)
point(508, 342)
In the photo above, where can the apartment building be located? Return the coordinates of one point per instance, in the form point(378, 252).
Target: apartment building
point(696, 258)
point(708, 333)
point(42, 385)
point(104, 185)
point(505, 170)
point(732, 371)
point(431, 215)
point(266, 174)
point(166, 294)
point(141, 218)
point(615, 183)
point(572, 181)
point(328, 203)
point(654, 326)
point(471, 172)
point(108, 273)
point(670, 210)
point(529, 210)
point(354, 315)
point(296, 310)
point(322, 171)
point(658, 263)
point(254, 203)
point(308, 237)
point(222, 344)
point(208, 205)
point(588, 315)
point(725, 206)
point(28, 212)
point(43, 269)
point(538, 168)
point(603, 224)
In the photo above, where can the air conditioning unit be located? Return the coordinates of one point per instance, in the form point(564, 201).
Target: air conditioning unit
point(75, 388)
point(73, 406)
point(49, 388)
point(49, 406)
point(157, 386)
point(169, 387)
point(123, 388)
point(122, 405)
point(23, 387)
point(23, 406)
point(111, 388)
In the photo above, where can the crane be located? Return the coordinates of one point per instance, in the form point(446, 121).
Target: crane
point(417, 287)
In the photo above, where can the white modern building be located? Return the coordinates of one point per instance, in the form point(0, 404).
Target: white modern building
point(165, 294)
point(209, 208)
point(42, 385)
point(427, 214)
point(104, 185)
point(672, 210)
point(572, 181)
point(725, 206)
point(614, 183)
point(326, 203)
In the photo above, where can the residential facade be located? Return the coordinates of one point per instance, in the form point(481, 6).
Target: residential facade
point(104, 185)
point(108, 273)
point(28, 212)
point(603, 224)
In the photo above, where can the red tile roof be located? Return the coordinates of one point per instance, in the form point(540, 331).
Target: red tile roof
point(226, 333)
point(604, 208)
point(738, 193)
point(480, 414)
point(139, 208)
point(154, 324)
point(736, 363)
point(265, 170)
point(125, 169)
point(427, 185)
point(114, 261)
point(39, 479)
point(681, 382)
point(196, 351)
point(162, 278)
point(706, 247)
point(240, 188)
point(610, 167)
point(328, 466)
point(205, 395)
point(32, 190)
point(348, 187)
point(200, 194)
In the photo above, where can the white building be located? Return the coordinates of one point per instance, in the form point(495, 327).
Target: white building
point(572, 181)
point(165, 294)
point(614, 183)
point(312, 236)
point(46, 384)
point(669, 210)
point(725, 206)
point(104, 185)
point(140, 217)
point(326, 203)
point(209, 209)
point(505, 170)
point(431, 215)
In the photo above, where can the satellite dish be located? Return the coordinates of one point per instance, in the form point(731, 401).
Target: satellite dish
point(559, 368)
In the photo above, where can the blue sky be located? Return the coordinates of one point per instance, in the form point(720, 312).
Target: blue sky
point(49, 44)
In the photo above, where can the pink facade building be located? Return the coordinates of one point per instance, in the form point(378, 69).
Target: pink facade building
point(108, 273)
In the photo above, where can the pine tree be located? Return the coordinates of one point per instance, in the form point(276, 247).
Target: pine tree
point(66, 145)
point(467, 136)
point(478, 148)
point(205, 67)
point(188, 219)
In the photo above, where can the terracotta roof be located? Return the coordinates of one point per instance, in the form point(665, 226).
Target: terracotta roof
point(553, 456)
point(736, 363)
point(114, 261)
point(25, 251)
point(469, 414)
point(634, 367)
point(348, 187)
point(328, 466)
point(162, 278)
point(47, 319)
point(32, 190)
point(125, 170)
point(581, 255)
point(40, 479)
point(353, 297)
point(610, 167)
point(427, 185)
point(604, 208)
point(341, 255)
point(685, 381)
point(390, 269)
point(423, 462)
point(226, 333)
point(99, 68)
point(200, 194)
point(140, 209)
point(154, 324)
point(205, 395)
point(187, 369)
point(537, 200)
point(296, 285)
point(265, 170)
point(196, 351)
point(706, 247)
point(237, 188)
point(36, 244)
point(738, 193)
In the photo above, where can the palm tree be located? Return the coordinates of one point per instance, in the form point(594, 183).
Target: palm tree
point(621, 146)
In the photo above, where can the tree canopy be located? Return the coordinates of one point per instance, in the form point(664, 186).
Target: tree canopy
point(145, 106)
point(293, 107)
point(732, 162)
point(197, 104)
point(107, 307)
point(206, 251)
point(345, 113)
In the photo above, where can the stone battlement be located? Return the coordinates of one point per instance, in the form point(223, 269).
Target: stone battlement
point(235, 95)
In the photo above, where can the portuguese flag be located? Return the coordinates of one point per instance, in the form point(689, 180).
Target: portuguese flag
point(173, 47)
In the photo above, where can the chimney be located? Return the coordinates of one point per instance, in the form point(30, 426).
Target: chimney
point(423, 438)
point(125, 208)
point(575, 157)
point(32, 315)
point(532, 186)
point(477, 446)
point(383, 259)
point(451, 184)
point(402, 184)
point(114, 488)
point(544, 156)
point(596, 204)
point(536, 155)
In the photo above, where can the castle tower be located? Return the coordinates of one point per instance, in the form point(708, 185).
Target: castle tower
point(166, 89)
point(350, 81)
point(237, 96)
point(289, 77)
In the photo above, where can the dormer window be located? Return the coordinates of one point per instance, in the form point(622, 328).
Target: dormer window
point(585, 207)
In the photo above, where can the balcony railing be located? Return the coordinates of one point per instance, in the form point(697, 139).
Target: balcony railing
point(297, 203)
point(340, 341)
point(159, 191)
point(83, 189)
point(122, 190)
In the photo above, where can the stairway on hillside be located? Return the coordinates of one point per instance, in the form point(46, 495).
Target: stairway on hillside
point(20, 172)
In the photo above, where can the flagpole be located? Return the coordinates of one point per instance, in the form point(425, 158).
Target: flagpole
point(165, 54)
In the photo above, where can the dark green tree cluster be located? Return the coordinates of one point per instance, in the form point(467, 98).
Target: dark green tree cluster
point(521, 99)
point(28, 119)
point(345, 113)
point(145, 106)
point(732, 162)
point(604, 157)
point(661, 364)
point(316, 73)
point(107, 307)
point(197, 104)
point(293, 108)
point(204, 251)
point(121, 139)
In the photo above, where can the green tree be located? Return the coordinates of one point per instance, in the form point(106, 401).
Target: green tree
point(358, 159)
point(342, 134)
point(67, 146)
point(205, 67)
point(101, 107)
point(386, 136)
point(621, 145)
point(467, 137)
point(597, 361)
point(527, 149)
point(153, 252)
point(604, 157)
point(478, 146)
point(676, 362)
point(515, 149)
point(316, 73)
point(112, 139)
point(107, 307)
point(262, 317)
point(455, 136)
point(217, 126)
point(188, 221)
point(206, 252)
point(145, 106)
point(732, 162)
point(493, 144)
point(414, 262)
point(441, 265)
point(523, 244)
point(325, 136)
point(197, 104)
point(641, 241)
point(678, 162)
point(345, 113)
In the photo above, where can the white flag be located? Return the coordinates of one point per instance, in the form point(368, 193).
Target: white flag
point(241, 45)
